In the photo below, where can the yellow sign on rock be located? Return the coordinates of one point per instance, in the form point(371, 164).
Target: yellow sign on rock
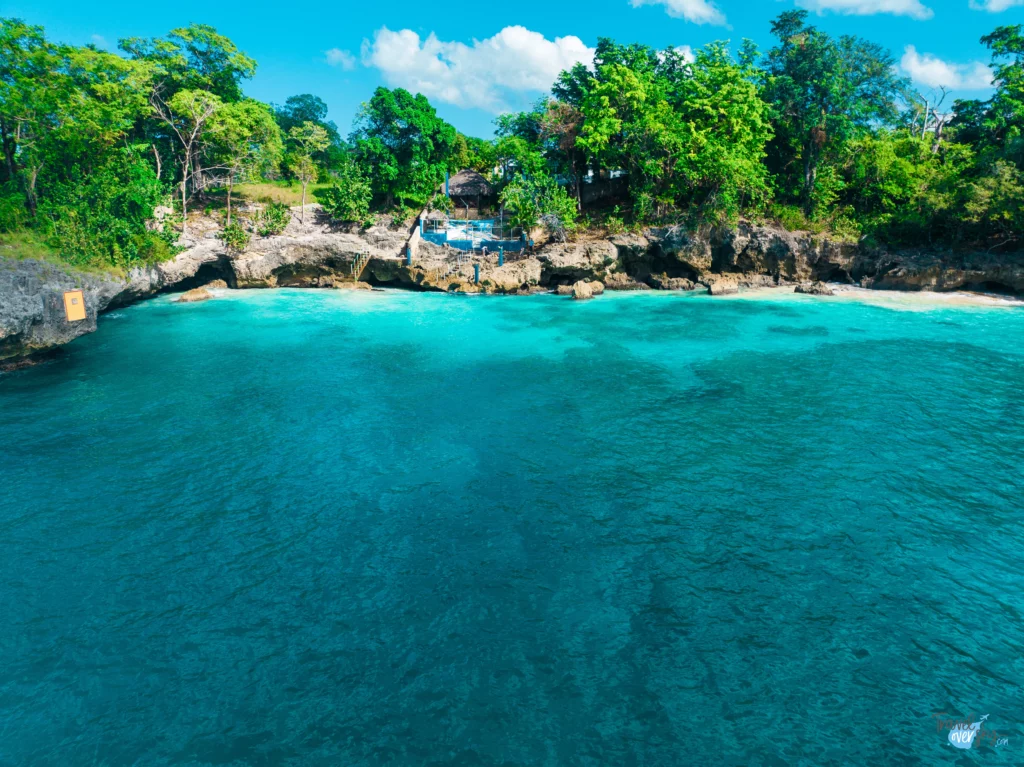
point(74, 305)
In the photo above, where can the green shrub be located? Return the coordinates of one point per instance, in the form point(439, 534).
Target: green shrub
point(13, 214)
point(235, 237)
point(348, 197)
point(539, 199)
point(101, 218)
point(273, 219)
point(441, 202)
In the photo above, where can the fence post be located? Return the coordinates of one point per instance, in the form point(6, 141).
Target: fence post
point(501, 255)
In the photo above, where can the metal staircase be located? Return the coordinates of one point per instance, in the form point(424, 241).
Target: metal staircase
point(452, 265)
point(359, 264)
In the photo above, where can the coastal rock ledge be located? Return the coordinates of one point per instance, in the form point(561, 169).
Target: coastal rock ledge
point(721, 261)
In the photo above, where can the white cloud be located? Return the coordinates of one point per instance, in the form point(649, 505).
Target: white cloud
point(484, 74)
point(685, 50)
point(697, 11)
point(995, 6)
point(99, 41)
point(339, 58)
point(912, 8)
point(931, 71)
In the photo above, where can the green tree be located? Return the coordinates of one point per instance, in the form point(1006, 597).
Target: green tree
point(403, 146)
point(248, 142)
point(189, 114)
point(62, 105)
point(822, 91)
point(25, 65)
point(997, 125)
point(195, 57)
point(306, 140)
point(306, 107)
point(693, 136)
point(533, 200)
point(722, 127)
point(348, 197)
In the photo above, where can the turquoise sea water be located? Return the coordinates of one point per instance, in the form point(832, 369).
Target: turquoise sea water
point(321, 528)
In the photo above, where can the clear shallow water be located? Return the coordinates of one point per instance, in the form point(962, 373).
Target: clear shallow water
point(364, 529)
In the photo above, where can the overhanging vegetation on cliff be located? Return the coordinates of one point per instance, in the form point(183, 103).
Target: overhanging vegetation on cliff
point(817, 133)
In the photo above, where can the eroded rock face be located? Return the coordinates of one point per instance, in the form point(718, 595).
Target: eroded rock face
point(664, 282)
point(32, 314)
point(926, 271)
point(312, 261)
point(622, 281)
point(578, 261)
point(514, 276)
point(314, 255)
point(32, 317)
point(689, 249)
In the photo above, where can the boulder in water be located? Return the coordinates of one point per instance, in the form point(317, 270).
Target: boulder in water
point(814, 289)
point(194, 295)
point(581, 291)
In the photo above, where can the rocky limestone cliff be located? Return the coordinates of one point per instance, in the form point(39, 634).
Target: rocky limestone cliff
point(32, 315)
point(720, 261)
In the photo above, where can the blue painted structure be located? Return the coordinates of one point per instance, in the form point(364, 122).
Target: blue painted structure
point(469, 235)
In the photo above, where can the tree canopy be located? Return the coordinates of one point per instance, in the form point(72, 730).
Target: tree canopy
point(817, 133)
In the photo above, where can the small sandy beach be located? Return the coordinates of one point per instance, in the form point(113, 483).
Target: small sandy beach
point(911, 301)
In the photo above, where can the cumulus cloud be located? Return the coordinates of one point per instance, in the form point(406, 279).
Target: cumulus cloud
point(913, 8)
point(484, 74)
point(342, 59)
point(697, 11)
point(931, 71)
point(995, 6)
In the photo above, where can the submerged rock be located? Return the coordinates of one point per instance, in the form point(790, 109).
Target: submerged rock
point(353, 286)
point(814, 289)
point(195, 295)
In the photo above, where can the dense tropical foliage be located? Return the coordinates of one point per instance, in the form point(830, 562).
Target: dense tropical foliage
point(106, 156)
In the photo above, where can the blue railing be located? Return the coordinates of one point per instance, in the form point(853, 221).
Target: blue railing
point(470, 235)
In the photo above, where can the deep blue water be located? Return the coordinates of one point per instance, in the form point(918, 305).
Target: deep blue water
point(322, 528)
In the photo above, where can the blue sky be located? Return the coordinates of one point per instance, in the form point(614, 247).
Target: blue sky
point(475, 64)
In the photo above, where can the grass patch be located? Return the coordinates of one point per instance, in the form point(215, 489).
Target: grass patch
point(27, 245)
point(274, 191)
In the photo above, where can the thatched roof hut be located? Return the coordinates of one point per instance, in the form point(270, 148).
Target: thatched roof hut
point(469, 184)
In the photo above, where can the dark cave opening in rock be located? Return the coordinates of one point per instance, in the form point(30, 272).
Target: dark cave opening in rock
point(207, 273)
point(832, 273)
point(997, 288)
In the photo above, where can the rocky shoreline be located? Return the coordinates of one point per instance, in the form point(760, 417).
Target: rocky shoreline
point(721, 261)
